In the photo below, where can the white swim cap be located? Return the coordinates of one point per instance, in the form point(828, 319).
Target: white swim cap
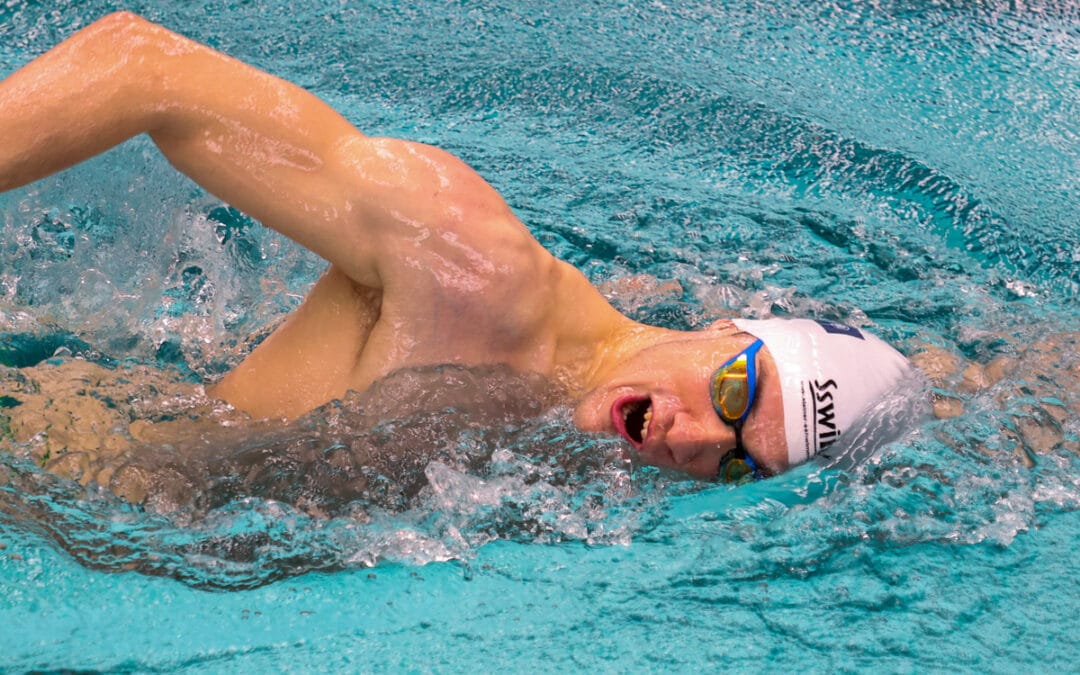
point(829, 375)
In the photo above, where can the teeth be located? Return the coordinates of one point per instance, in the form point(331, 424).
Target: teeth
point(636, 418)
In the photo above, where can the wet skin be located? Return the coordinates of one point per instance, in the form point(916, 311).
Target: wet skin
point(658, 400)
point(428, 264)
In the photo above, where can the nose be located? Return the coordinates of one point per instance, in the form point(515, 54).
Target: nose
point(693, 440)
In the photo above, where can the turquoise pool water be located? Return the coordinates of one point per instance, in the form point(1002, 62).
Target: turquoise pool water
point(906, 166)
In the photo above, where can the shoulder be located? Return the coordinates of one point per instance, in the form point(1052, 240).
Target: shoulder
point(433, 219)
point(448, 245)
point(420, 183)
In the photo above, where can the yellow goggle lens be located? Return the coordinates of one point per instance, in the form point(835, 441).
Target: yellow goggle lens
point(735, 471)
point(731, 390)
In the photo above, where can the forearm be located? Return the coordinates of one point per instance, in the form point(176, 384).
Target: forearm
point(79, 99)
point(254, 140)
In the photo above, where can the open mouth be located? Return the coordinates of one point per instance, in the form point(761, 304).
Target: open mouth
point(631, 416)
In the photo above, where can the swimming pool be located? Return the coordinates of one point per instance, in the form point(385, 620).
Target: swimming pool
point(906, 167)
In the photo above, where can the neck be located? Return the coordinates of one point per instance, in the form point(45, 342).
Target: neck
point(630, 338)
point(586, 330)
point(593, 338)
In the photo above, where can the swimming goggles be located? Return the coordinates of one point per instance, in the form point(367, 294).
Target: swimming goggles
point(732, 389)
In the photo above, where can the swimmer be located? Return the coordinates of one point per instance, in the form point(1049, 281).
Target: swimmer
point(428, 265)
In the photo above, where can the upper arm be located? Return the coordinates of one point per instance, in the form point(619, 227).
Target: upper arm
point(260, 143)
point(371, 206)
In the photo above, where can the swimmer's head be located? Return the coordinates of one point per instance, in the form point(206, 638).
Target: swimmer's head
point(812, 382)
point(829, 375)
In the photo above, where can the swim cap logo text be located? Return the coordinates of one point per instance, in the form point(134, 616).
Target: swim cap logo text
point(825, 431)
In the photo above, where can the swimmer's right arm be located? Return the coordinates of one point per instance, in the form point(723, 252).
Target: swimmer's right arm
point(256, 141)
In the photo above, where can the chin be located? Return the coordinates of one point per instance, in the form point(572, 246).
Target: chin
point(700, 469)
point(589, 415)
point(701, 473)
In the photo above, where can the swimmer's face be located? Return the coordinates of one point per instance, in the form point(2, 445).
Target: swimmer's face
point(659, 401)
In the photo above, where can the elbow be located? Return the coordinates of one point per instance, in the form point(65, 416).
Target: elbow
point(123, 30)
point(121, 21)
point(141, 52)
